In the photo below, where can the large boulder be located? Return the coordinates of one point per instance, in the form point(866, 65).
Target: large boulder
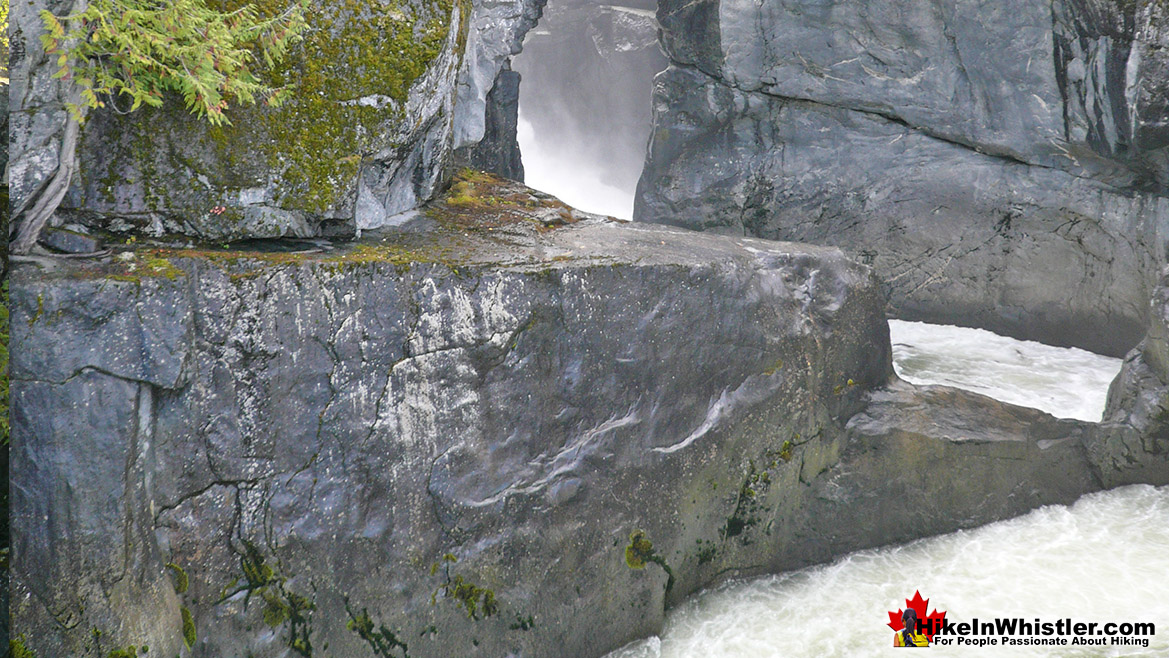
point(1002, 169)
point(444, 438)
point(920, 461)
point(521, 431)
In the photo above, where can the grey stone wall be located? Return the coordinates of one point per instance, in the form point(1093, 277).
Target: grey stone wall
point(1133, 439)
point(1002, 169)
point(450, 439)
point(305, 438)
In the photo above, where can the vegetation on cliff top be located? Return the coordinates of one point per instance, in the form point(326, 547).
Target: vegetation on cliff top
point(349, 78)
point(135, 51)
point(4, 42)
point(476, 221)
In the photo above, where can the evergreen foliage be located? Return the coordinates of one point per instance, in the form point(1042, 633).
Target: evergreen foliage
point(4, 41)
point(134, 51)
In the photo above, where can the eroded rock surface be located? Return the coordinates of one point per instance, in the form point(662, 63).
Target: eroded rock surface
point(1132, 442)
point(1000, 169)
point(925, 460)
point(508, 397)
point(509, 429)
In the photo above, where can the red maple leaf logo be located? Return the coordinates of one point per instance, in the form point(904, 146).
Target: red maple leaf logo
point(930, 623)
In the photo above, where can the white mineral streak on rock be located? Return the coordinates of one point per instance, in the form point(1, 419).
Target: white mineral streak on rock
point(753, 390)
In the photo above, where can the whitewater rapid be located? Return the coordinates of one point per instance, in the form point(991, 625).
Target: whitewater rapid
point(1103, 559)
point(1064, 382)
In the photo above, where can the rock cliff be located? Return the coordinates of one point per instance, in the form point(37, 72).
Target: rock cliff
point(1001, 169)
point(382, 94)
point(521, 431)
point(1133, 439)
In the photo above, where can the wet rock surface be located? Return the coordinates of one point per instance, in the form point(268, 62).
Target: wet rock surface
point(509, 428)
point(925, 460)
point(442, 437)
point(1132, 443)
point(998, 169)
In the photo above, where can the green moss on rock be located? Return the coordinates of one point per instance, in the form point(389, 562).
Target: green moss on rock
point(640, 552)
point(189, 634)
point(478, 602)
point(16, 649)
point(349, 80)
point(182, 582)
point(381, 640)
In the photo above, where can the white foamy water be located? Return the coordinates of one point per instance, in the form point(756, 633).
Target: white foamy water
point(1103, 559)
point(552, 166)
point(1064, 382)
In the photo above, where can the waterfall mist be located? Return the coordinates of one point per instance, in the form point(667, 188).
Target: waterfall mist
point(584, 109)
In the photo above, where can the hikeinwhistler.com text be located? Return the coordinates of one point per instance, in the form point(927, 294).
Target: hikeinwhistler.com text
point(1016, 631)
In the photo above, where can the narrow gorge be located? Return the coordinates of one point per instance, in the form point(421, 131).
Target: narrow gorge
point(332, 382)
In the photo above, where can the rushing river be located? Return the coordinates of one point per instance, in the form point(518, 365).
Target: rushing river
point(1064, 382)
point(1103, 559)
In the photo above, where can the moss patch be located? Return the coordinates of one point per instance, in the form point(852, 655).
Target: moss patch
point(16, 648)
point(351, 78)
point(281, 606)
point(482, 221)
point(348, 80)
point(640, 552)
point(479, 201)
point(747, 505)
point(189, 634)
point(182, 582)
point(478, 602)
point(381, 640)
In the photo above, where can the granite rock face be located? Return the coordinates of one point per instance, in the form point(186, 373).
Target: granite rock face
point(522, 431)
point(497, 33)
point(379, 103)
point(1132, 443)
point(1004, 169)
point(499, 151)
point(304, 436)
point(921, 461)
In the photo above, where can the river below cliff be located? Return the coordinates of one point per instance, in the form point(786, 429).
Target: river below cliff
point(1064, 382)
point(1102, 559)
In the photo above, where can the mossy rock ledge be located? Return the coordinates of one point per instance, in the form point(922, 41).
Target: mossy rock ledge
point(460, 438)
point(366, 134)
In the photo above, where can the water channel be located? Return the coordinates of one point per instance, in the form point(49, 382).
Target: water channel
point(1103, 559)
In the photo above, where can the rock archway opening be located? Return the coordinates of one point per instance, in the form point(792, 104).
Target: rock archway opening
point(584, 105)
